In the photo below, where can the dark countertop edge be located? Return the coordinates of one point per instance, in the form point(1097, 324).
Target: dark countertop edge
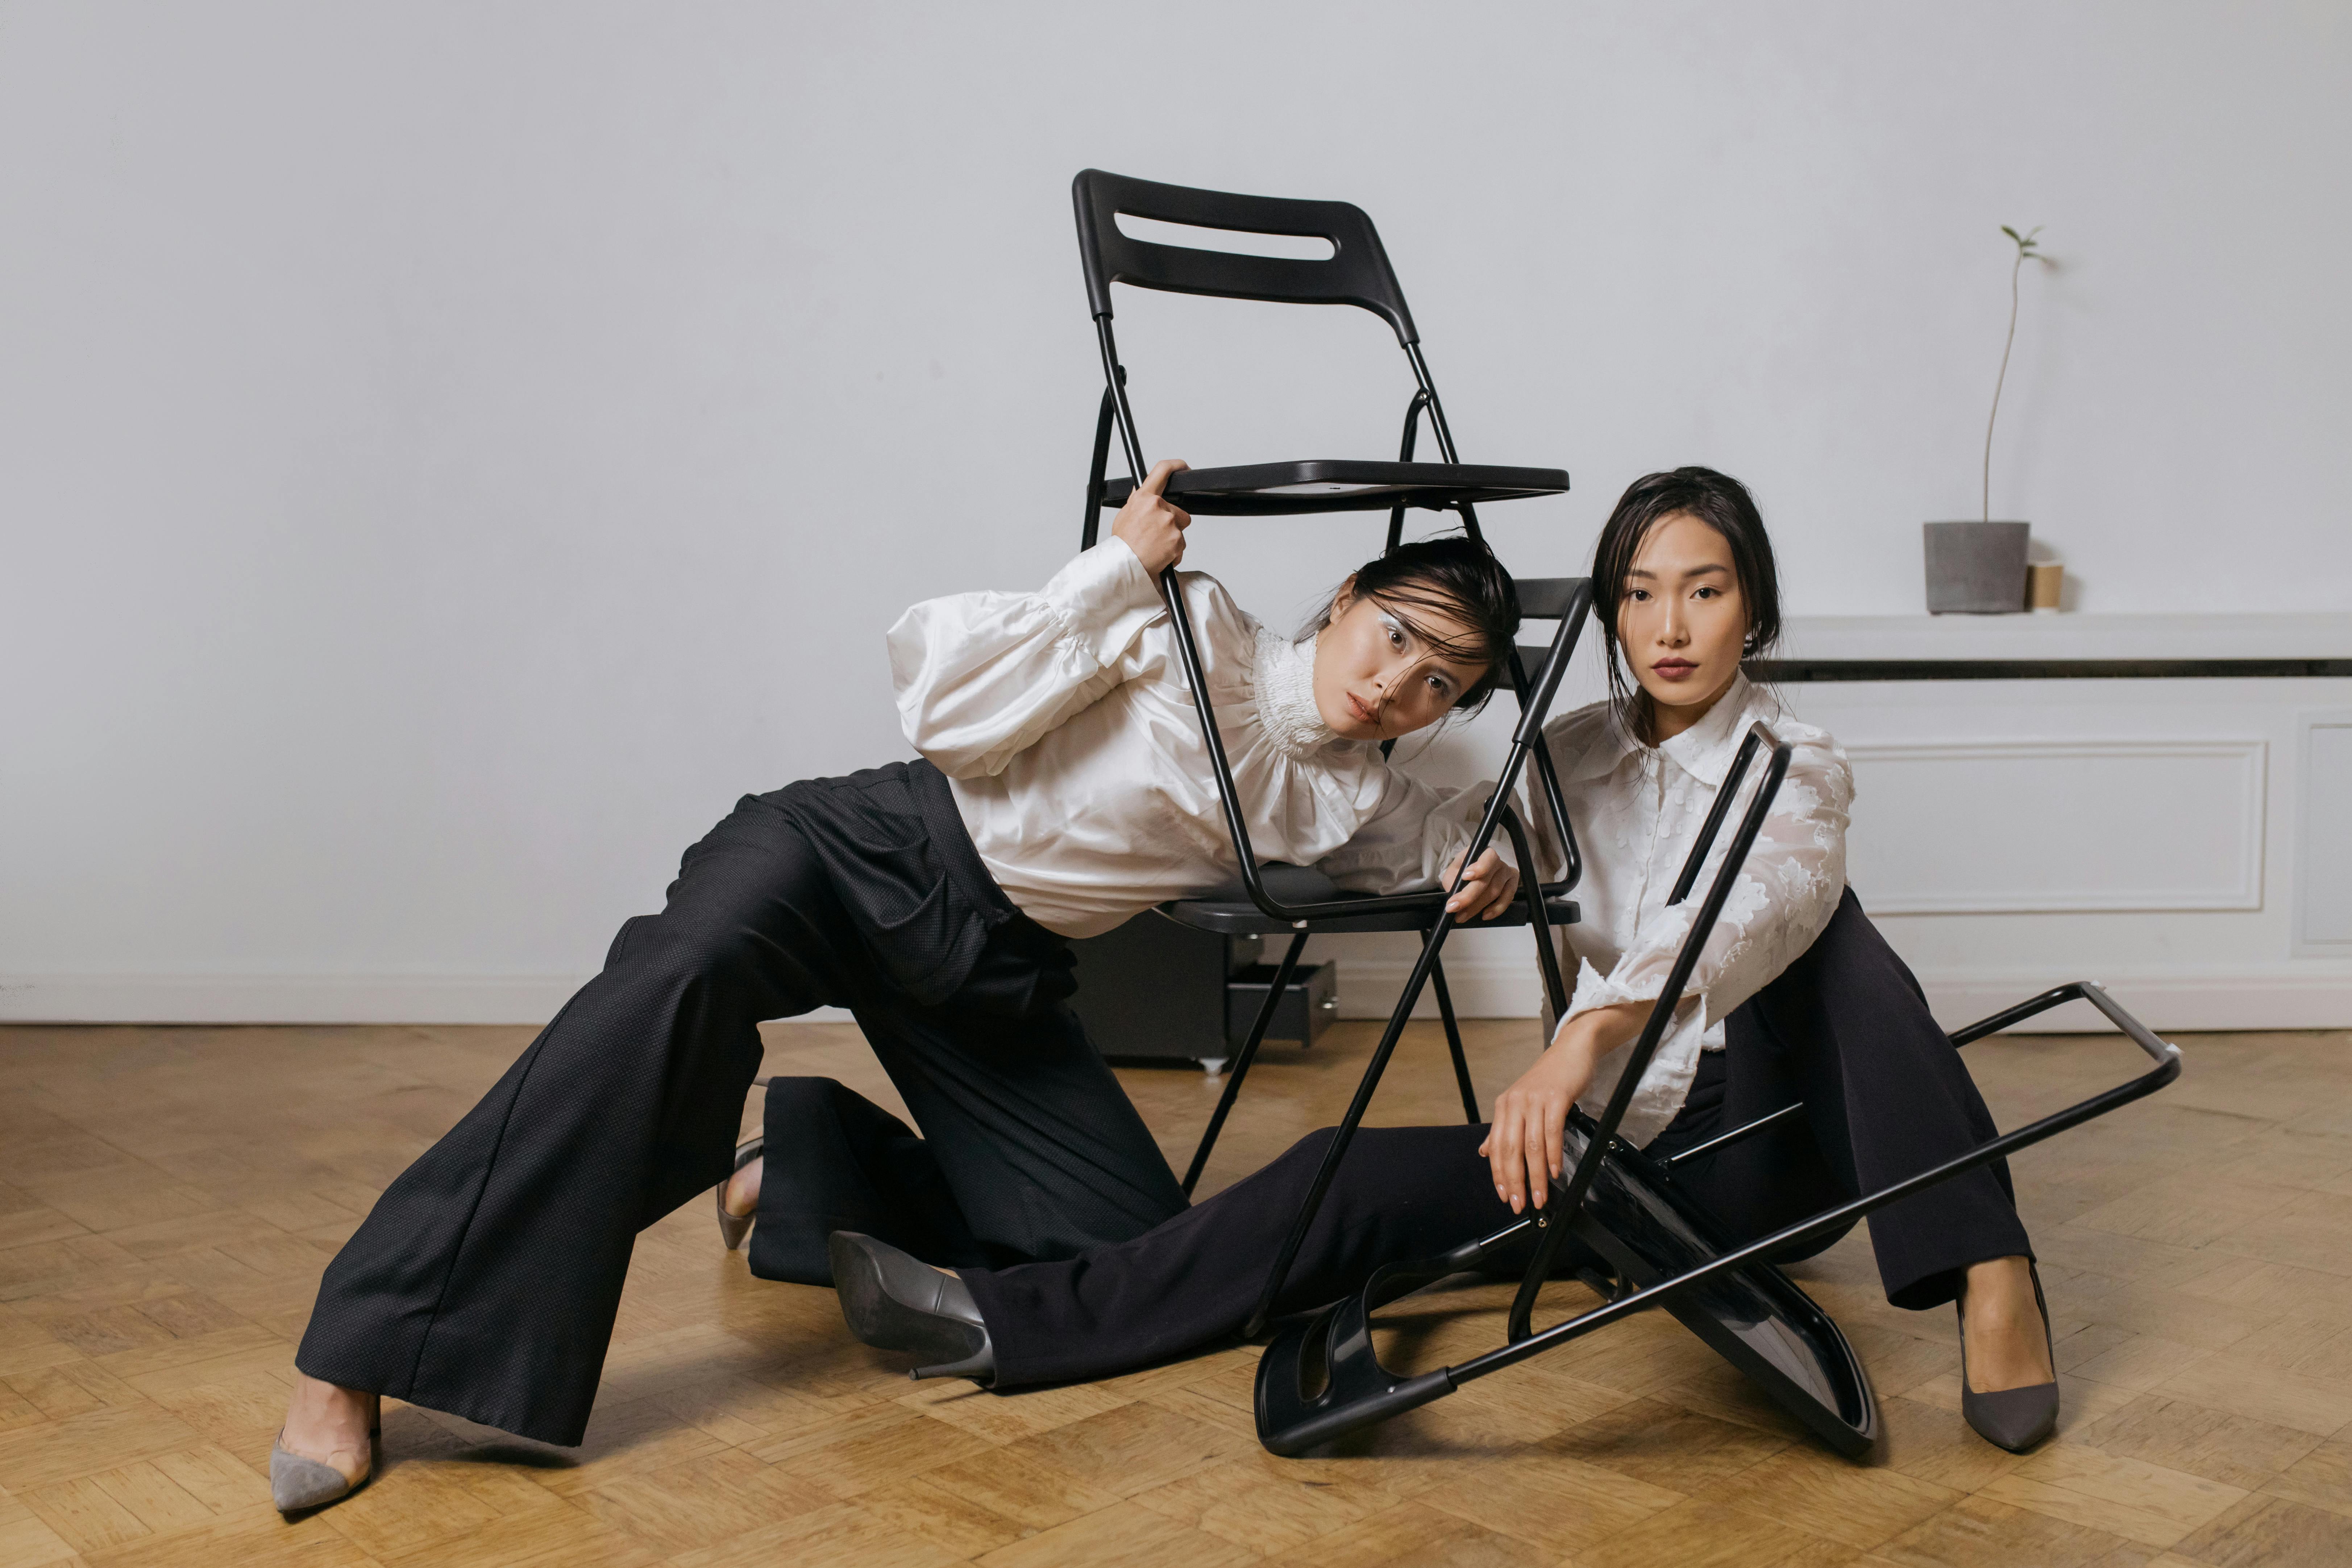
point(1788, 670)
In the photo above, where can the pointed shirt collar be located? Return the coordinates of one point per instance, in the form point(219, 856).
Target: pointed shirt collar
point(1704, 751)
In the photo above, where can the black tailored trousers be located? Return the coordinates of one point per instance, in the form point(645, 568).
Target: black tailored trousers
point(487, 1279)
point(1845, 1029)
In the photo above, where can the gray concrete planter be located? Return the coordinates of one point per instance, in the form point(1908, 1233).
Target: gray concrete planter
point(1976, 568)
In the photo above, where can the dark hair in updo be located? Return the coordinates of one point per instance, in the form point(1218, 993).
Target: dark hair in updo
point(1723, 504)
point(1455, 576)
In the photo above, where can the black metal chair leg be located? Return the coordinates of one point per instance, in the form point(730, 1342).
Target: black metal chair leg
point(1346, 1130)
point(1453, 1043)
point(1103, 421)
point(1404, 454)
point(1248, 1054)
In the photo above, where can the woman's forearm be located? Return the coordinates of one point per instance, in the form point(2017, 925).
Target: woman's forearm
point(1597, 1031)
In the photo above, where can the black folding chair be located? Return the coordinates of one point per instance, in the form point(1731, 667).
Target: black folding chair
point(1298, 901)
point(1322, 1377)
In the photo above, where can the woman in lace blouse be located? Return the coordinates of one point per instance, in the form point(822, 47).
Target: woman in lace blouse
point(1796, 996)
point(1064, 786)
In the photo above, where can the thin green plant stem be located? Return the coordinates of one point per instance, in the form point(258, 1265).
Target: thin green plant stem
point(2024, 248)
point(2006, 344)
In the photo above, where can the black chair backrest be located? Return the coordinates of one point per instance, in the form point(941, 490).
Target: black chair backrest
point(1542, 599)
point(1546, 598)
point(1357, 273)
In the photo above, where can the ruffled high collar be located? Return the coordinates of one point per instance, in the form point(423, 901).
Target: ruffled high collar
point(1285, 696)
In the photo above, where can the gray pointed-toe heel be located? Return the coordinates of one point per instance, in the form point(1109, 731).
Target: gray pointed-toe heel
point(298, 1485)
point(2011, 1418)
point(895, 1303)
point(734, 1228)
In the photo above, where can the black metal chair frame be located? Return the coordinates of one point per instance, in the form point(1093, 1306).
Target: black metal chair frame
point(1541, 905)
point(1321, 1377)
point(1357, 274)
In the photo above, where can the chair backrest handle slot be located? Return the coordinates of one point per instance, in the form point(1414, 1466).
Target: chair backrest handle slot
point(1225, 241)
point(1356, 272)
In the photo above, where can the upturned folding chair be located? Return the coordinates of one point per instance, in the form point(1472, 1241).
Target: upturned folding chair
point(1322, 1377)
point(1274, 899)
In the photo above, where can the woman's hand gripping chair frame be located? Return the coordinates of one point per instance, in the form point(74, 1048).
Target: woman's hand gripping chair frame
point(1322, 1377)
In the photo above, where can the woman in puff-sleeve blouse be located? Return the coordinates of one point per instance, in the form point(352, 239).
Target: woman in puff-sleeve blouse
point(1070, 742)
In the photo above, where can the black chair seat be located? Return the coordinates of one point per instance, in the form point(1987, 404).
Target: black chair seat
point(1755, 1318)
point(1327, 484)
point(1322, 1375)
point(1227, 911)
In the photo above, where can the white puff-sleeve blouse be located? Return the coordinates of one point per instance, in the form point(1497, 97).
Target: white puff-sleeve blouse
point(1637, 810)
point(1063, 722)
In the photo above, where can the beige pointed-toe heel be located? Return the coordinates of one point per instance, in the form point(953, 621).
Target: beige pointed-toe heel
point(734, 1228)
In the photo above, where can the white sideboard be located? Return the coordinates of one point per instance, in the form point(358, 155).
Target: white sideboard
point(2182, 834)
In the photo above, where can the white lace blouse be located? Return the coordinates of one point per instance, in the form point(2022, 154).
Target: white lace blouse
point(1637, 811)
point(1063, 721)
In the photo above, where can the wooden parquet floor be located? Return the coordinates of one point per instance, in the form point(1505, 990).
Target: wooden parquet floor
point(169, 1195)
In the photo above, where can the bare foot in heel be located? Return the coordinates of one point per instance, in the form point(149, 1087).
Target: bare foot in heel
point(2008, 1344)
point(2008, 1392)
point(739, 1195)
point(743, 1190)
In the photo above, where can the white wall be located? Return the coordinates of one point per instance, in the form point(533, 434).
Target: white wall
point(447, 452)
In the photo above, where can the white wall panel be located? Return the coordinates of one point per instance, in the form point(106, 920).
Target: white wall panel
point(2013, 826)
point(2324, 864)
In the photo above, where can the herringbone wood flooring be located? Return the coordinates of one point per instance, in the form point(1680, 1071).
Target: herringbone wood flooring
point(168, 1196)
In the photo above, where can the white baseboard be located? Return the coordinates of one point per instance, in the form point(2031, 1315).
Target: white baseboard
point(297, 999)
point(2182, 1002)
point(1481, 988)
point(284, 998)
point(2174, 1000)
point(1486, 988)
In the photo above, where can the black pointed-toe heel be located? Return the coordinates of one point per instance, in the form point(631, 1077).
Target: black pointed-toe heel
point(895, 1303)
point(734, 1228)
point(2011, 1418)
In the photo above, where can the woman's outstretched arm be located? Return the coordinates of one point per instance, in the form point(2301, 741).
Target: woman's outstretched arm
point(981, 676)
point(1415, 838)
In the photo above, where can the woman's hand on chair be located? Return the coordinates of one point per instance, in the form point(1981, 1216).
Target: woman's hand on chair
point(1524, 1145)
point(1151, 526)
point(1485, 892)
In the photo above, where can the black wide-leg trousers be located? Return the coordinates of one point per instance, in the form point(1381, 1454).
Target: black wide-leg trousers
point(487, 1279)
point(1845, 1029)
